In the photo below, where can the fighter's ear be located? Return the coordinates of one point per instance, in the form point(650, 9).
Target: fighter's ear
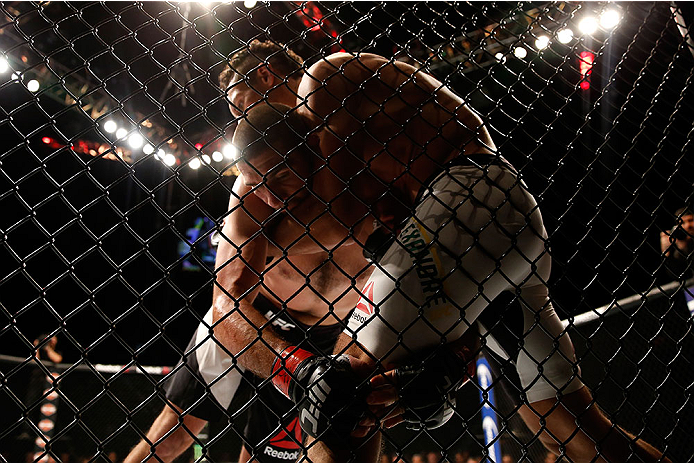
point(265, 76)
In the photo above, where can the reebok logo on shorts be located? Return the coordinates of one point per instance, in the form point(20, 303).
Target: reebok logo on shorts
point(283, 440)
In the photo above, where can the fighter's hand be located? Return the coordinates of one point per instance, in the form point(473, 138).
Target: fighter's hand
point(424, 390)
point(384, 408)
point(329, 393)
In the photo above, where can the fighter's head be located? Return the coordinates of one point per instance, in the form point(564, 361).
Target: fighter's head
point(277, 153)
point(262, 70)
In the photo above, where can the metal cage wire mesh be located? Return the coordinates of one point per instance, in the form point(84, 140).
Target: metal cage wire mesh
point(117, 168)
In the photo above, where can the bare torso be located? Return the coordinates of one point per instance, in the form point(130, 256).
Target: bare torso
point(316, 284)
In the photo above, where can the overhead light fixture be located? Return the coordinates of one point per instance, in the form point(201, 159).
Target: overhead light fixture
point(229, 151)
point(565, 35)
point(148, 149)
point(194, 163)
point(217, 156)
point(4, 65)
point(520, 52)
point(206, 159)
point(135, 140)
point(588, 25)
point(609, 19)
point(169, 159)
point(500, 57)
point(121, 133)
point(249, 4)
point(110, 126)
point(542, 42)
point(33, 85)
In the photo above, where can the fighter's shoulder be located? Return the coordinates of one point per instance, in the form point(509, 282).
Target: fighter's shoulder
point(339, 63)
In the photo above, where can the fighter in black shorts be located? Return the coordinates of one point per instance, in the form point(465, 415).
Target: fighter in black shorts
point(319, 290)
point(272, 432)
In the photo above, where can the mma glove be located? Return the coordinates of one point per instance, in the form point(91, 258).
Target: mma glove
point(326, 390)
point(426, 387)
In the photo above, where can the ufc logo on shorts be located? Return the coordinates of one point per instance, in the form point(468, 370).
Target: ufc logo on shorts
point(316, 396)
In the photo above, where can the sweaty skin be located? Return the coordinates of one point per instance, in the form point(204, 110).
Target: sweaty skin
point(379, 130)
point(383, 138)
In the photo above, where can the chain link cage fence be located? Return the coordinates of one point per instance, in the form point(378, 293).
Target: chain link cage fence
point(117, 167)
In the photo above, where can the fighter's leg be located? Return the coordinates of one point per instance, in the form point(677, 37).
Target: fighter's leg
point(574, 426)
point(245, 455)
point(163, 444)
point(560, 410)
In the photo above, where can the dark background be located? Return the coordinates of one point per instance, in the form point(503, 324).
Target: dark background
point(88, 246)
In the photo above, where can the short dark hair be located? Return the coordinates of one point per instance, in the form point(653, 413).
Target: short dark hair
point(247, 59)
point(273, 126)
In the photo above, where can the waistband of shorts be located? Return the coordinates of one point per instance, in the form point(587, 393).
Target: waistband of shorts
point(264, 305)
point(479, 160)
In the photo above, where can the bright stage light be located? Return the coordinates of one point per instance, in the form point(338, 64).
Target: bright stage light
point(542, 42)
point(4, 65)
point(249, 4)
point(229, 151)
point(194, 163)
point(135, 141)
point(217, 156)
point(148, 149)
point(206, 159)
point(588, 25)
point(565, 35)
point(161, 154)
point(33, 85)
point(169, 160)
point(121, 133)
point(609, 19)
point(520, 52)
point(14, 76)
point(500, 57)
point(110, 126)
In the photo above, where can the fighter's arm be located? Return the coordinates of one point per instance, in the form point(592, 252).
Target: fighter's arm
point(241, 258)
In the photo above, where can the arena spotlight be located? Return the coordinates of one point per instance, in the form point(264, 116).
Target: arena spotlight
point(135, 141)
point(588, 25)
point(609, 19)
point(14, 76)
point(206, 159)
point(565, 35)
point(542, 42)
point(217, 156)
point(169, 159)
point(148, 149)
point(110, 126)
point(194, 163)
point(160, 154)
point(500, 57)
point(520, 52)
point(229, 151)
point(33, 85)
point(4, 65)
point(249, 4)
point(121, 133)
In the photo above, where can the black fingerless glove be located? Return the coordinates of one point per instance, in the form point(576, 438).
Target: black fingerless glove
point(426, 387)
point(327, 391)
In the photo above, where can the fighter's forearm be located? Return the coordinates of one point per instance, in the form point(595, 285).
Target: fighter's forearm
point(247, 335)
